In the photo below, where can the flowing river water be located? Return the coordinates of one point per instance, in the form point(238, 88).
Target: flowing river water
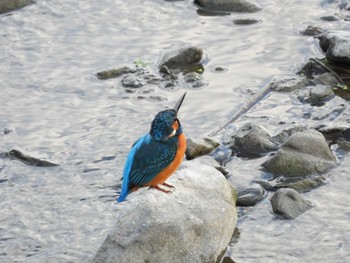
point(53, 107)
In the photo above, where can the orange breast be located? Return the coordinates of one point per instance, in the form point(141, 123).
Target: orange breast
point(163, 175)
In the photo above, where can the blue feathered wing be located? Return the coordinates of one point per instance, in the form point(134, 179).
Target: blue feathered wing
point(146, 159)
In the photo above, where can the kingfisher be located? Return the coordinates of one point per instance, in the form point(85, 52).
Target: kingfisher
point(156, 155)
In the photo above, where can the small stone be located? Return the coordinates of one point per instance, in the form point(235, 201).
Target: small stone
point(320, 93)
point(250, 196)
point(199, 147)
point(252, 140)
point(249, 6)
point(289, 204)
point(130, 81)
point(113, 73)
point(246, 21)
point(312, 31)
point(303, 185)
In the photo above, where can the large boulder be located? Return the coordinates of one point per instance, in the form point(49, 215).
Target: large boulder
point(336, 45)
point(194, 223)
point(304, 153)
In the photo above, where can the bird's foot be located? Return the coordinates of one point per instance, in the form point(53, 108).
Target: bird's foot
point(160, 189)
point(168, 185)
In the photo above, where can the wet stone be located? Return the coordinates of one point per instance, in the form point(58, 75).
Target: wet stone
point(316, 95)
point(304, 153)
point(289, 204)
point(219, 69)
point(248, 6)
point(246, 21)
point(252, 140)
point(312, 31)
point(113, 73)
point(250, 196)
point(302, 185)
point(329, 18)
point(183, 59)
point(131, 81)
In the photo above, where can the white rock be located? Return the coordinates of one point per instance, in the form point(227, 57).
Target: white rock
point(194, 223)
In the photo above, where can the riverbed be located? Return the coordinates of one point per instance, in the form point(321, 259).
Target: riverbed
point(53, 107)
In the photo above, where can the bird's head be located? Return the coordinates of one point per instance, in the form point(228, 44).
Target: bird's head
point(166, 124)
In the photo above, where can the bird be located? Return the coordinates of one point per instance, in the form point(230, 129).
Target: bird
point(156, 155)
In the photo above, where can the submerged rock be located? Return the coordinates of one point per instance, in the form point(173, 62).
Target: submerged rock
point(304, 153)
point(113, 73)
point(194, 223)
point(289, 204)
point(229, 5)
point(336, 45)
point(199, 146)
point(10, 5)
point(26, 159)
point(298, 184)
point(252, 140)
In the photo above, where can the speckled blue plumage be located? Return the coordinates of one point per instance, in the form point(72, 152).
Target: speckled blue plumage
point(150, 154)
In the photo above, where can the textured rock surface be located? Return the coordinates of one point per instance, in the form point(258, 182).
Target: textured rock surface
point(289, 84)
point(336, 45)
point(199, 146)
point(252, 140)
point(304, 153)
point(289, 203)
point(194, 223)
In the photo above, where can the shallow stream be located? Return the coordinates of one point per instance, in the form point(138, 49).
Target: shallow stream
point(54, 108)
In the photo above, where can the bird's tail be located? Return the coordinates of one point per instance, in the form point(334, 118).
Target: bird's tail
point(126, 183)
point(125, 190)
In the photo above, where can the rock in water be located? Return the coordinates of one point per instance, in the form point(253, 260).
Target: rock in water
point(10, 5)
point(194, 223)
point(252, 140)
point(304, 153)
point(289, 203)
point(336, 45)
point(185, 59)
point(229, 5)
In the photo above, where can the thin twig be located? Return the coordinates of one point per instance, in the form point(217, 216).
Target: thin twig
point(245, 108)
point(328, 69)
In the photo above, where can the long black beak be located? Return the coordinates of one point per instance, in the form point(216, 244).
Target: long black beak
point(178, 104)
